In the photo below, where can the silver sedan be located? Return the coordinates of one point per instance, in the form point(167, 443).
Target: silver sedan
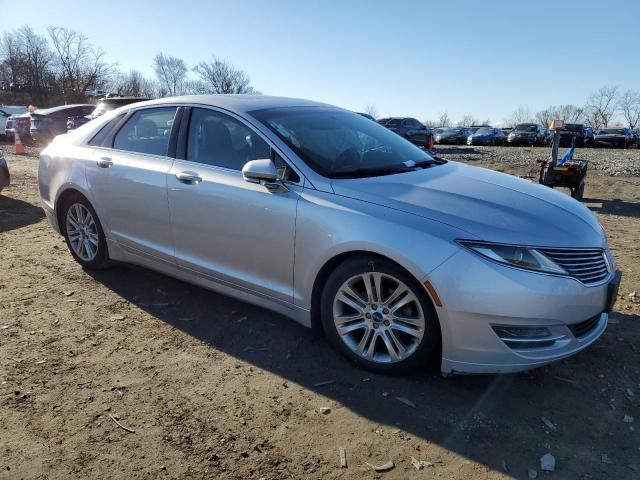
point(331, 219)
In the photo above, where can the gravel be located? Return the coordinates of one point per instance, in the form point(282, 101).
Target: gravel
point(609, 161)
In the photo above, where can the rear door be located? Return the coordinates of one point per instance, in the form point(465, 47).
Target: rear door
point(128, 182)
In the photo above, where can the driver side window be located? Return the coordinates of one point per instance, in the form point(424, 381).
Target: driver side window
point(222, 141)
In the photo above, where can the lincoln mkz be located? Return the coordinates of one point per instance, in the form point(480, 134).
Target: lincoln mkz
point(335, 221)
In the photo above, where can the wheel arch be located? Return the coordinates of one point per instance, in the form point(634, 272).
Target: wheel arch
point(63, 195)
point(331, 264)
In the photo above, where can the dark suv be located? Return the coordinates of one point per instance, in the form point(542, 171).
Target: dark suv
point(572, 135)
point(527, 134)
point(408, 128)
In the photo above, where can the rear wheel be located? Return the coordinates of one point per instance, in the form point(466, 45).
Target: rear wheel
point(83, 233)
point(378, 316)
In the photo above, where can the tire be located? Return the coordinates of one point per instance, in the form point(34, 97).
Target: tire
point(578, 193)
point(89, 246)
point(373, 328)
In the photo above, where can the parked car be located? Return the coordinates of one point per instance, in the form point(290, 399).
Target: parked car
point(7, 111)
point(614, 137)
point(5, 178)
point(408, 128)
point(573, 133)
point(49, 122)
point(486, 136)
point(400, 256)
point(506, 131)
point(19, 123)
point(452, 136)
point(103, 106)
point(526, 134)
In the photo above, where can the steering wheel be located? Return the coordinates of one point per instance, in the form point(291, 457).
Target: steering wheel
point(348, 158)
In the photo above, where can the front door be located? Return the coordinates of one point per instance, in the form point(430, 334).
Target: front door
point(223, 227)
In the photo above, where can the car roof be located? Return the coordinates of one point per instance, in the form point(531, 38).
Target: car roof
point(47, 111)
point(236, 103)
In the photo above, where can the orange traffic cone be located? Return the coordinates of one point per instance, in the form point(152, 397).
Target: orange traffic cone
point(431, 142)
point(19, 148)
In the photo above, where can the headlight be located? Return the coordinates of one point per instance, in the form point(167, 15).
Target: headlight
point(519, 257)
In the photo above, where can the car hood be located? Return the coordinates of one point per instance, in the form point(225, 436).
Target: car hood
point(483, 204)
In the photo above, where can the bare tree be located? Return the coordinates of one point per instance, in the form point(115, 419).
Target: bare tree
point(601, 106)
point(570, 113)
point(171, 73)
point(134, 84)
point(37, 66)
point(467, 121)
point(520, 115)
point(629, 105)
point(444, 120)
point(80, 66)
point(371, 110)
point(430, 123)
point(12, 52)
point(544, 117)
point(219, 76)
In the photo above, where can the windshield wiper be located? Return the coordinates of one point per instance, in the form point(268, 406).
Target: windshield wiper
point(372, 172)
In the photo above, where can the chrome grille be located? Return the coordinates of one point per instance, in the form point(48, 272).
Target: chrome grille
point(587, 265)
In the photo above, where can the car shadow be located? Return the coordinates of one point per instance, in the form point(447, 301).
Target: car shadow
point(488, 419)
point(17, 213)
point(613, 207)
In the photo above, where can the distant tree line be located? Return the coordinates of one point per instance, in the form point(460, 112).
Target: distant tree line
point(63, 66)
point(608, 106)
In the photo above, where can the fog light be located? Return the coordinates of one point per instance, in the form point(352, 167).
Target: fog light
point(521, 332)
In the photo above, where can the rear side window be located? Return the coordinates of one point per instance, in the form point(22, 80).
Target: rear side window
point(147, 131)
point(104, 133)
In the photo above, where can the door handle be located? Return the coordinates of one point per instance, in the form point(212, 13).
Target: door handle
point(105, 162)
point(189, 178)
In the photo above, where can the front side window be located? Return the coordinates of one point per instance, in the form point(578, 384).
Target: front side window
point(147, 131)
point(222, 141)
point(337, 143)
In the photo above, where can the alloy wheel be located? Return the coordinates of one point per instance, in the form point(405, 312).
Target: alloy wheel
point(82, 232)
point(378, 317)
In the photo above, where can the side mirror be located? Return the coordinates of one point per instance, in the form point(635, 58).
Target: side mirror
point(256, 171)
point(263, 171)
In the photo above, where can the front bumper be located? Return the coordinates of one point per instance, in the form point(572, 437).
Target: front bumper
point(478, 296)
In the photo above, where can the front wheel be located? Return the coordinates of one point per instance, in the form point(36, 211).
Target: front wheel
point(83, 233)
point(379, 316)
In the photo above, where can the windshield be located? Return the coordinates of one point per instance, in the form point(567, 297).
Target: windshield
point(525, 128)
point(451, 131)
point(484, 131)
point(573, 127)
point(613, 131)
point(335, 142)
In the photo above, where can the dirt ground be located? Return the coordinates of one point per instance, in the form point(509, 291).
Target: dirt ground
point(214, 388)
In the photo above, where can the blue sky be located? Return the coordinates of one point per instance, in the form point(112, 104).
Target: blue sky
point(416, 58)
